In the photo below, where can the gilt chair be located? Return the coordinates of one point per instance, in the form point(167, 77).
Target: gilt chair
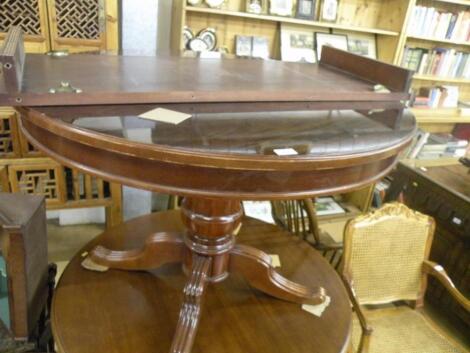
point(300, 218)
point(385, 260)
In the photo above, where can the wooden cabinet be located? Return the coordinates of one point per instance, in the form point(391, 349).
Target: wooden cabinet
point(76, 26)
point(444, 194)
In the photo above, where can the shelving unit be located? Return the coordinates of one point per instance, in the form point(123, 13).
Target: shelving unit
point(280, 19)
point(379, 19)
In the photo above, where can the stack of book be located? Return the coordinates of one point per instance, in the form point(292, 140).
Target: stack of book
point(437, 62)
point(434, 146)
point(431, 23)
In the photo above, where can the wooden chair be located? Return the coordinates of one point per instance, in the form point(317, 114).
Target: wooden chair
point(385, 259)
point(30, 279)
point(300, 218)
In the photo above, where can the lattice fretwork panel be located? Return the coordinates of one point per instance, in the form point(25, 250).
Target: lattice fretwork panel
point(24, 13)
point(8, 136)
point(82, 186)
point(78, 19)
point(39, 179)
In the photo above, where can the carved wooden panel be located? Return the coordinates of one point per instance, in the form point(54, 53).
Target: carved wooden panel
point(83, 25)
point(27, 149)
point(82, 186)
point(23, 13)
point(9, 145)
point(79, 19)
point(46, 179)
point(31, 16)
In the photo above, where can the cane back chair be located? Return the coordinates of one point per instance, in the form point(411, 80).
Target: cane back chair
point(300, 218)
point(385, 259)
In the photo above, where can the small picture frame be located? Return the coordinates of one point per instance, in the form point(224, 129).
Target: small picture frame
point(243, 45)
point(306, 9)
point(297, 45)
point(363, 44)
point(339, 41)
point(329, 10)
point(255, 6)
point(281, 7)
point(260, 47)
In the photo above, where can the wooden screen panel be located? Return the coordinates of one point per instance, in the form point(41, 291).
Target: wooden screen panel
point(9, 144)
point(81, 186)
point(41, 178)
point(83, 25)
point(31, 16)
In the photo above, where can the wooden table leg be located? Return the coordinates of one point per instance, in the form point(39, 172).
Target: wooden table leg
point(191, 308)
point(159, 249)
point(255, 266)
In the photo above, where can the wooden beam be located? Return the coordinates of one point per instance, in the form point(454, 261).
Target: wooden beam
point(12, 57)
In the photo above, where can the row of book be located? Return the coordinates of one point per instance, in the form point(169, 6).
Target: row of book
point(439, 145)
point(437, 62)
point(431, 23)
point(437, 97)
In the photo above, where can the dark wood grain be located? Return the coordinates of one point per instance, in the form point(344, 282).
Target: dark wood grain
point(121, 311)
point(136, 80)
point(12, 57)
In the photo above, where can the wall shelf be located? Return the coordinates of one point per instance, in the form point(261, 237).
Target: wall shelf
point(437, 40)
point(456, 2)
point(289, 20)
point(441, 79)
point(441, 116)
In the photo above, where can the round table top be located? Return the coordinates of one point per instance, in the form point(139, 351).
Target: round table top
point(122, 311)
point(246, 155)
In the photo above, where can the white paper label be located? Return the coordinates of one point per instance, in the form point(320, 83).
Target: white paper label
point(165, 116)
point(285, 151)
point(317, 310)
point(275, 260)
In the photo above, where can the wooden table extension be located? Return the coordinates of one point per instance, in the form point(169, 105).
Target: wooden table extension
point(258, 130)
point(122, 311)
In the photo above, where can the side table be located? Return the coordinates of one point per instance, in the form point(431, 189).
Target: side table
point(122, 311)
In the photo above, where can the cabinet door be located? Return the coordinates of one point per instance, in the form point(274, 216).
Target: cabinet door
point(31, 16)
point(83, 25)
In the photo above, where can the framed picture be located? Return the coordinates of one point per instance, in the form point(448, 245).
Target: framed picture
point(243, 45)
point(339, 41)
point(281, 7)
point(260, 47)
point(297, 45)
point(363, 44)
point(329, 10)
point(306, 9)
point(255, 6)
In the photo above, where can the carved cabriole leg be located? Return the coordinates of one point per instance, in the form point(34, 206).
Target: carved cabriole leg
point(159, 249)
point(255, 266)
point(191, 309)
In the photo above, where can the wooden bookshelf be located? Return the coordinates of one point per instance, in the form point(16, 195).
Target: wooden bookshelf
point(290, 20)
point(441, 116)
point(438, 40)
point(456, 2)
point(441, 79)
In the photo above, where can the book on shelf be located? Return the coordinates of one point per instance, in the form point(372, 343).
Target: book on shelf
point(327, 206)
point(437, 145)
point(441, 62)
point(430, 22)
point(444, 96)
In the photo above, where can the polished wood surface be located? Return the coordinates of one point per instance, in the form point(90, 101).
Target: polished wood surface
point(121, 311)
point(110, 79)
point(241, 164)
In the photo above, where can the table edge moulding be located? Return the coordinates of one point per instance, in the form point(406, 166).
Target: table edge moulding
point(211, 209)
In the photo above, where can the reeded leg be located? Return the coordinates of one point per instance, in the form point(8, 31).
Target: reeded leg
point(191, 309)
point(255, 266)
point(159, 249)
